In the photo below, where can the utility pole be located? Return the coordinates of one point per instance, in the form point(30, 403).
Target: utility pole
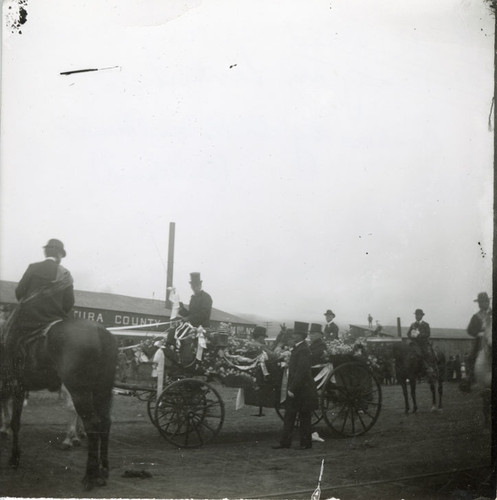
point(170, 264)
point(399, 330)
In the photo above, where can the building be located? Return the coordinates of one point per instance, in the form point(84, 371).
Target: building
point(114, 310)
point(450, 341)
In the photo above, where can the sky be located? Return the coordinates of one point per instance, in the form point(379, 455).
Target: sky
point(312, 155)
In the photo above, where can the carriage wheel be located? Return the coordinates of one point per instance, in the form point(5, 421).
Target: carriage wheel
point(351, 399)
point(151, 404)
point(189, 413)
point(317, 415)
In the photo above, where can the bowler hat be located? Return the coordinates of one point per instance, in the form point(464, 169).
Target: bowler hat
point(259, 331)
point(53, 243)
point(300, 328)
point(329, 312)
point(482, 296)
point(315, 328)
point(419, 311)
point(195, 278)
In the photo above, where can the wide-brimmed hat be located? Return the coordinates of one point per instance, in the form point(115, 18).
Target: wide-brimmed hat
point(300, 328)
point(419, 311)
point(259, 331)
point(316, 328)
point(53, 243)
point(329, 312)
point(195, 278)
point(482, 296)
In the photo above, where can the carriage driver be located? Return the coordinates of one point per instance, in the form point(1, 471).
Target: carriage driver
point(419, 333)
point(199, 310)
point(45, 294)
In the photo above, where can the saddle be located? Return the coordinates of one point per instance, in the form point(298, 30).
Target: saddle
point(28, 361)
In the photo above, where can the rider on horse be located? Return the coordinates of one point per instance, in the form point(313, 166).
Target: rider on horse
point(419, 333)
point(45, 294)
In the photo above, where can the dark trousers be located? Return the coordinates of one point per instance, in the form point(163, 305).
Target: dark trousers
point(304, 427)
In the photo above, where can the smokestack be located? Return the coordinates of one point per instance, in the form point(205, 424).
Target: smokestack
point(399, 330)
point(170, 264)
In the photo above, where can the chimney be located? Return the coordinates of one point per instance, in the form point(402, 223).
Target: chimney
point(170, 264)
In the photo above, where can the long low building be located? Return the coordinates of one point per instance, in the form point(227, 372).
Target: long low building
point(450, 341)
point(113, 310)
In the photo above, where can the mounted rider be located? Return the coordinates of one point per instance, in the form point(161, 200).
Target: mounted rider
point(419, 333)
point(45, 294)
point(476, 327)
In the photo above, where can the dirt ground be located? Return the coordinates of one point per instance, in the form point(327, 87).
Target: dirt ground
point(442, 455)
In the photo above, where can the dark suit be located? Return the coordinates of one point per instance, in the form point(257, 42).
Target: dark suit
point(476, 325)
point(318, 349)
point(49, 307)
point(305, 397)
point(199, 310)
point(331, 331)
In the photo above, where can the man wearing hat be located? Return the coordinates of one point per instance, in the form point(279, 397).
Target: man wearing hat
point(199, 310)
point(419, 333)
point(317, 345)
point(476, 326)
point(302, 397)
point(45, 294)
point(330, 329)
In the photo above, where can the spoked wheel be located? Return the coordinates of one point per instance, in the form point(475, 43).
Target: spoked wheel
point(189, 413)
point(151, 404)
point(351, 399)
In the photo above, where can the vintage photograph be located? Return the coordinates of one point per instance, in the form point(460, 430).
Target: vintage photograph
point(246, 249)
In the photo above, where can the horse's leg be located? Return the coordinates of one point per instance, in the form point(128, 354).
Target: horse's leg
point(440, 392)
point(103, 402)
point(83, 402)
point(15, 425)
point(433, 394)
point(403, 384)
point(412, 383)
point(5, 416)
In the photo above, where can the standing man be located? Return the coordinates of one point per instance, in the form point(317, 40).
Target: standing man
point(45, 294)
point(330, 329)
point(302, 397)
point(199, 310)
point(419, 333)
point(476, 327)
point(370, 320)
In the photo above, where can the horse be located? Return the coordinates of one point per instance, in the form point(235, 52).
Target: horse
point(82, 355)
point(483, 369)
point(409, 366)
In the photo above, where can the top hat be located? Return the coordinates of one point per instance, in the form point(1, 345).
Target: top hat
point(315, 328)
point(419, 311)
point(482, 296)
point(329, 312)
point(259, 331)
point(195, 278)
point(53, 243)
point(300, 328)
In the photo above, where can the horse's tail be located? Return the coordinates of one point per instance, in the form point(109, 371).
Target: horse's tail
point(108, 354)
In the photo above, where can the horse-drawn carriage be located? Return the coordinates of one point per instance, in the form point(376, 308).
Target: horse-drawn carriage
point(188, 411)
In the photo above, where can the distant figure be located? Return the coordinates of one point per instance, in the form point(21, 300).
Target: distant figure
point(330, 329)
point(419, 333)
point(199, 310)
point(370, 320)
point(451, 368)
point(457, 368)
